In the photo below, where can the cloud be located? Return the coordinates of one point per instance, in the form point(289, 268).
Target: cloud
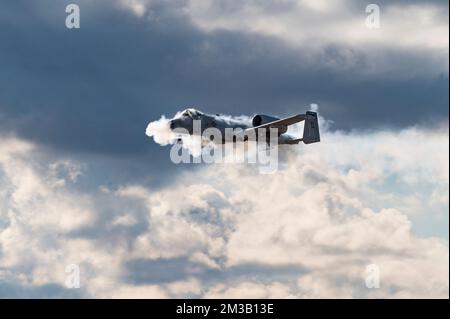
point(103, 93)
point(308, 230)
point(405, 26)
point(341, 21)
point(249, 290)
point(80, 183)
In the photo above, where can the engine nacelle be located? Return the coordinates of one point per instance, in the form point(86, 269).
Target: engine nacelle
point(260, 119)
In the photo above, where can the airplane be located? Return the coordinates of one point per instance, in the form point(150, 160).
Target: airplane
point(242, 129)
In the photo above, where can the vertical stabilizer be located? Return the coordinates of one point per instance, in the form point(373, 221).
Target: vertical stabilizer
point(311, 129)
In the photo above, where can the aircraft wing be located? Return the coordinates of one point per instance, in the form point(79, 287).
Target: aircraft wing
point(279, 123)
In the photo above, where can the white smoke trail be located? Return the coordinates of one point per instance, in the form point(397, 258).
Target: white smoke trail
point(160, 131)
point(163, 135)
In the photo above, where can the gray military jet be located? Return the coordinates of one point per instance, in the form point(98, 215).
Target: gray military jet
point(194, 122)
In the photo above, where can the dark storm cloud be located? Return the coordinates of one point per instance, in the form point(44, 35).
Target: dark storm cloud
point(95, 89)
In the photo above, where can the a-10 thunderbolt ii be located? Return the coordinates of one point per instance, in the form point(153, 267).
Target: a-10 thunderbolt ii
point(194, 122)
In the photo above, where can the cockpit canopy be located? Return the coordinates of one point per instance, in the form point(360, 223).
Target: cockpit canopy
point(192, 113)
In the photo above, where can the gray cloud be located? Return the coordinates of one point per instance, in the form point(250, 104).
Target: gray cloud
point(141, 226)
point(95, 89)
point(164, 270)
point(12, 291)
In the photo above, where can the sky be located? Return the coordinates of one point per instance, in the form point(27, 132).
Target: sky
point(81, 183)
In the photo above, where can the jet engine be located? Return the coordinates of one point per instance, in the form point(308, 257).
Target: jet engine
point(261, 119)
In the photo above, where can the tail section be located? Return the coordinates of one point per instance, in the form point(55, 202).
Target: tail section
point(311, 129)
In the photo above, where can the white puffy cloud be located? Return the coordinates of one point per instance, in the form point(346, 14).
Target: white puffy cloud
point(306, 231)
point(343, 21)
point(316, 26)
point(249, 290)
